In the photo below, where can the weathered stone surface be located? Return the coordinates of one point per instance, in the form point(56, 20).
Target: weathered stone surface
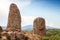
point(4, 33)
point(14, 18)
point(32, 37)
point(0, 31)
point(5, 36)
point(12, 36)
point(16, 35)
point(39, 26)
point(20, 36)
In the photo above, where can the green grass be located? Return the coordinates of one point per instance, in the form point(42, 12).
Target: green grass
point(52, 34)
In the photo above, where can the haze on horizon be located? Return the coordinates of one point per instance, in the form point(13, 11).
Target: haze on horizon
point(30, 9)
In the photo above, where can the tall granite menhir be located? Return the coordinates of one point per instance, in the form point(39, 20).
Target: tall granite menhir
point(14, 18)
point(39, 26)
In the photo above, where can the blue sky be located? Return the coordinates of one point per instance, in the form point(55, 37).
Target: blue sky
point(31, 9)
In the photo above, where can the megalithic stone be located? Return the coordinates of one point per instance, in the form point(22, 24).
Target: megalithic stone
point(14, 18)
point(39, 26)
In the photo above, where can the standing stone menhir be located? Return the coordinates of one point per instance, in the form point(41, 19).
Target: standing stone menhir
point(14, 18)
point(39, 26)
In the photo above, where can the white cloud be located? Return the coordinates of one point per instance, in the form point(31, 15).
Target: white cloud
point(4, 7)
point(48, 23)
point(53, 24)
point(27, 20)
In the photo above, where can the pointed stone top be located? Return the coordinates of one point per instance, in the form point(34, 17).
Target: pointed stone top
point(13, 7)
point(12, 4)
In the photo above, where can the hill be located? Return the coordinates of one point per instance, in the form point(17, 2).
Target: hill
point(30, 27)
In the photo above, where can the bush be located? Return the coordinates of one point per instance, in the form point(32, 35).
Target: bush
point(52, 34)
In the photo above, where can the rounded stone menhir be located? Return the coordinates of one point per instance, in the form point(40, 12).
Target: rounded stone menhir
point(14, 18)
point(39, 26)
